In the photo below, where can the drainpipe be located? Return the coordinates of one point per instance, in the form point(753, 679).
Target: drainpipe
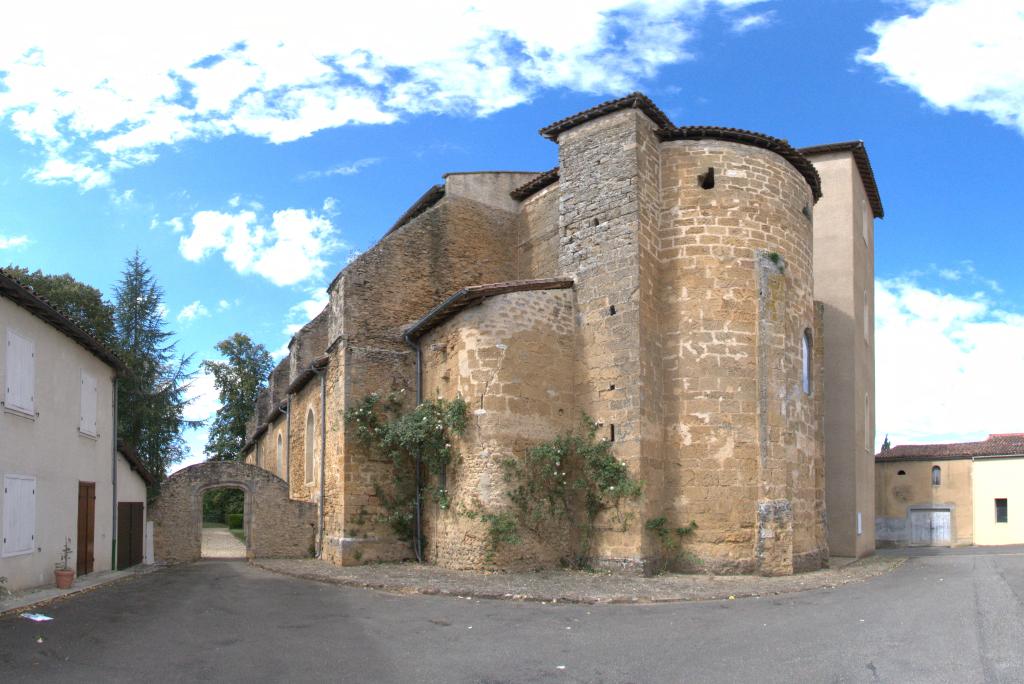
point(323, 455)
point(419, 463)
point(113, 472)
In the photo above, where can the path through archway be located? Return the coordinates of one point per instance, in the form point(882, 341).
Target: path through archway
point(274, 525)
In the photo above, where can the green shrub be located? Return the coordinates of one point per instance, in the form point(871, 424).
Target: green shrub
point(235, 521)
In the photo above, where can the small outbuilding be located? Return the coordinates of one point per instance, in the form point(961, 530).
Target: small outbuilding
point(951, 494)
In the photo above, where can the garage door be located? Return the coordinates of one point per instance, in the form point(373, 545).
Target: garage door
point(930, 528)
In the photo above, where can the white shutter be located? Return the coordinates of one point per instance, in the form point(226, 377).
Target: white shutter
point(21, 376)
point(19, 515)
point(87, 423)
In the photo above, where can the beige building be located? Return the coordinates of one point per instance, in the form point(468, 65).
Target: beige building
point(58, 460)
point(677, 284)
point(951, 494)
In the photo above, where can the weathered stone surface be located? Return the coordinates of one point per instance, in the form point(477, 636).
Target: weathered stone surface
point(275, 526)
point(683, 337)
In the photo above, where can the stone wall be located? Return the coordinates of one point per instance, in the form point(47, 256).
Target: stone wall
point(600, 226)
point(511, 359)
point(275, 526)
point(736, 298)
point(537, 235)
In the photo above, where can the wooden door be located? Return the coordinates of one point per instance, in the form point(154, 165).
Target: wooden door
point(129, 534)
point(86, 547)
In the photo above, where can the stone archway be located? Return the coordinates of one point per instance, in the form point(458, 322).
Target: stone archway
point(275, 525)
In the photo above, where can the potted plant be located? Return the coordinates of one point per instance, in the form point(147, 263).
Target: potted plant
point(61, 573)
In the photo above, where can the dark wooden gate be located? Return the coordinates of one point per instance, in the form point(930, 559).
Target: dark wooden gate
point(86, 527)
point(129, 534)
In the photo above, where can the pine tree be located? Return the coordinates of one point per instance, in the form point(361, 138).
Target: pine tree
point(239, 380)
point(151, 396)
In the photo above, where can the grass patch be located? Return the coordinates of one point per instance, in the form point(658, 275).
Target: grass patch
point(239, 535)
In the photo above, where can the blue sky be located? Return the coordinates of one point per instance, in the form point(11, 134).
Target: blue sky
point(249, 154)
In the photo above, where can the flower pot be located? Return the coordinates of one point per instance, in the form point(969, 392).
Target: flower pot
point(64, 578)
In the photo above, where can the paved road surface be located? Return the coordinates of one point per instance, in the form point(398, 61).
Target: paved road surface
point(218, 542)
point(947, 618)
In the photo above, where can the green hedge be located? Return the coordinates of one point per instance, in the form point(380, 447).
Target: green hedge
point(235, 521)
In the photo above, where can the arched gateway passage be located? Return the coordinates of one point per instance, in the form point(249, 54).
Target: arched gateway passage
point(275, 525)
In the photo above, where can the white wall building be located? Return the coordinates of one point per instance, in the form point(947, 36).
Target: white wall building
point(58, 457)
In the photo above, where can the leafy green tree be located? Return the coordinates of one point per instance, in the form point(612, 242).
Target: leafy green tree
point(82, 303)
point(239, 379)
point(151, 396)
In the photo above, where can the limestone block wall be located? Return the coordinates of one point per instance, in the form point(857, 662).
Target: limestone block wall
point(305, 405)
point(354, 531)
point(465, 239)
point(307, 345)
point(511, 359)
point(735, 302)
point(605, 176)
point(538, 234)
point(275, 526)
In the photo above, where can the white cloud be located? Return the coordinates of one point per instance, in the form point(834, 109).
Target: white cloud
point(203, 405)
point(948, 367)
point(162, 310)
point(342, 169)
point(306, 310)
point(204, 400)
point(13, 241)
point(193, 311)
point(122, 198)
point(330, 206)
point(958, 54)
point(223, 305)
point(291, 250)
point(106, 87)
point(752, 21)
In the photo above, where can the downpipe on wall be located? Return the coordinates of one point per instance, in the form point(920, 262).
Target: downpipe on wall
point(113, 472)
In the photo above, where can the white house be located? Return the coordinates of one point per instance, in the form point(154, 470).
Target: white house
point(59, 461)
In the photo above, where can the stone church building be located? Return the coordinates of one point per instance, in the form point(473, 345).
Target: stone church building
point(704, 293)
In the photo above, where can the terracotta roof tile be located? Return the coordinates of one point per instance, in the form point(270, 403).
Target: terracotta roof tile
point(535, 185)
point(1009, 444)
point(40, 307)
point(631, 101)
point(468, 296)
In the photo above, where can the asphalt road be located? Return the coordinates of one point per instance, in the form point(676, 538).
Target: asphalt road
point(954, 617)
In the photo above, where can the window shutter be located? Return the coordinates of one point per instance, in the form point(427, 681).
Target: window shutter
point(89, 395)
point(19, 515)
point(20, 375)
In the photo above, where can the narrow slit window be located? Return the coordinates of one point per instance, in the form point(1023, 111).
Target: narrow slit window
point(611, 310)
point(936, 475)
point(805, 349)
point(611, 432)
point(1002, 514)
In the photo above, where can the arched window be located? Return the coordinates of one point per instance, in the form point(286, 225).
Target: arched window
point(310, 439)
point(280, 454)
point(936, 475)
point(805, 349)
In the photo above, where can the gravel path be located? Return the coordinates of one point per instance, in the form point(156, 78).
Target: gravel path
point(218, 542)
point(573, 586)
